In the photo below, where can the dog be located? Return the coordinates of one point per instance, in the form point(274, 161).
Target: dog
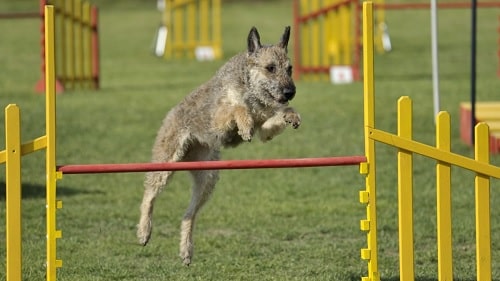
point(248, 95)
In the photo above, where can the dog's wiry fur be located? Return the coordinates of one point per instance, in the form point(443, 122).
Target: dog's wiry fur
point(249, 94)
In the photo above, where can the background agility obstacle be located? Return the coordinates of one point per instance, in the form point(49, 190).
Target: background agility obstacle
point(77, 45)
point(192, 29)
point(327, 38)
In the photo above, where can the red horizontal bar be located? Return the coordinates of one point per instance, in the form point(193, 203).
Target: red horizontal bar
point(456, 5)
point(211, 165)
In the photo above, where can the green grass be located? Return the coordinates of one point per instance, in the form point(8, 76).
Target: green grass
point(286, 224)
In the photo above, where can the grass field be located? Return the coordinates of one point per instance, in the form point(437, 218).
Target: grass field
point(287, 224)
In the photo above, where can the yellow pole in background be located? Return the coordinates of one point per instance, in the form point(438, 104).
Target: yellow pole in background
point(327, 35)
point(50, 129)
point(204, 6)
point(62, 41)
point(69, 79)
point(190, 29)
point(87, 45)
point(77, 23)
point(315, 38)
point(216, 29)
point(167, 21)
point(305, 37)
point(13, 192)
point(335, 42)
point(380, 27)
point(178, 26)
point(345, 35)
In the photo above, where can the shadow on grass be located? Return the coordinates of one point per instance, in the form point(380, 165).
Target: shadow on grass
point(38, 191)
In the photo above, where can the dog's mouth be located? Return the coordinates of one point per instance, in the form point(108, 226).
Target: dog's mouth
point(279, 99)
point(282, 100)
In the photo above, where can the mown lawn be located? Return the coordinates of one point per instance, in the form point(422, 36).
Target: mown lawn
point(286, 224)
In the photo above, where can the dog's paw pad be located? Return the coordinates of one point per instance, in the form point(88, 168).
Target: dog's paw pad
point(293, 119)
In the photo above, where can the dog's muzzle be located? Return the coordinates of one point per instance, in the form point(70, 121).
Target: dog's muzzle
point(289, 92)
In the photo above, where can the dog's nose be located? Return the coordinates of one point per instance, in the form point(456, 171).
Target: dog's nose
point(289, 92)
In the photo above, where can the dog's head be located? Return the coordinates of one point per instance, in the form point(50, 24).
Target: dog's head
point(270, 69)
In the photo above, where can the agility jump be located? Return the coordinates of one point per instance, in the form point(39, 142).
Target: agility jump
point(327, 37)
point(193, 28)
point(77, 45)
point(402, 141)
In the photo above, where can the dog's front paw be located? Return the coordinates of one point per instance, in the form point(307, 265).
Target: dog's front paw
point(246, 134)
point(292, 118)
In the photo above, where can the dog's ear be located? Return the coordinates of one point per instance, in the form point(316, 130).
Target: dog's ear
point(284, 38)
point(253, 40)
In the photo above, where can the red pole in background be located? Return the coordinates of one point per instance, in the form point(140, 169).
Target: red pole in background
point(40, 85)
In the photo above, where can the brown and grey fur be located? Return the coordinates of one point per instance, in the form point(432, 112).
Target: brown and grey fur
point(249, 94)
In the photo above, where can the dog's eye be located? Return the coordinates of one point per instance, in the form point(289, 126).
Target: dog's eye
point(271, 68)
point(289, 70)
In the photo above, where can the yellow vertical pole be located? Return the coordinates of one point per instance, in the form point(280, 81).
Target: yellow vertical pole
point(368, 196)
point(443, 198)
point(70, 45)
point(77, 23)
point(216, 28)
point(190, 28)
point(62, 41)
point(482, 190)
point(13, 192)
point(341, 34)
point(178, 32)
point(87, 43)
point(380, 21)
point(405, 192)
point(306, 37)
point(345, 33)
point(50, 128)
point(336, 30)
point(204, 28)
point(315, 37)
point(325, 37)
point(167, 20)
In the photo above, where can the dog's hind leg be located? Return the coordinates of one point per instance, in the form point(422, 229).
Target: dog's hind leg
point(154, 182)
point(203, 185)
